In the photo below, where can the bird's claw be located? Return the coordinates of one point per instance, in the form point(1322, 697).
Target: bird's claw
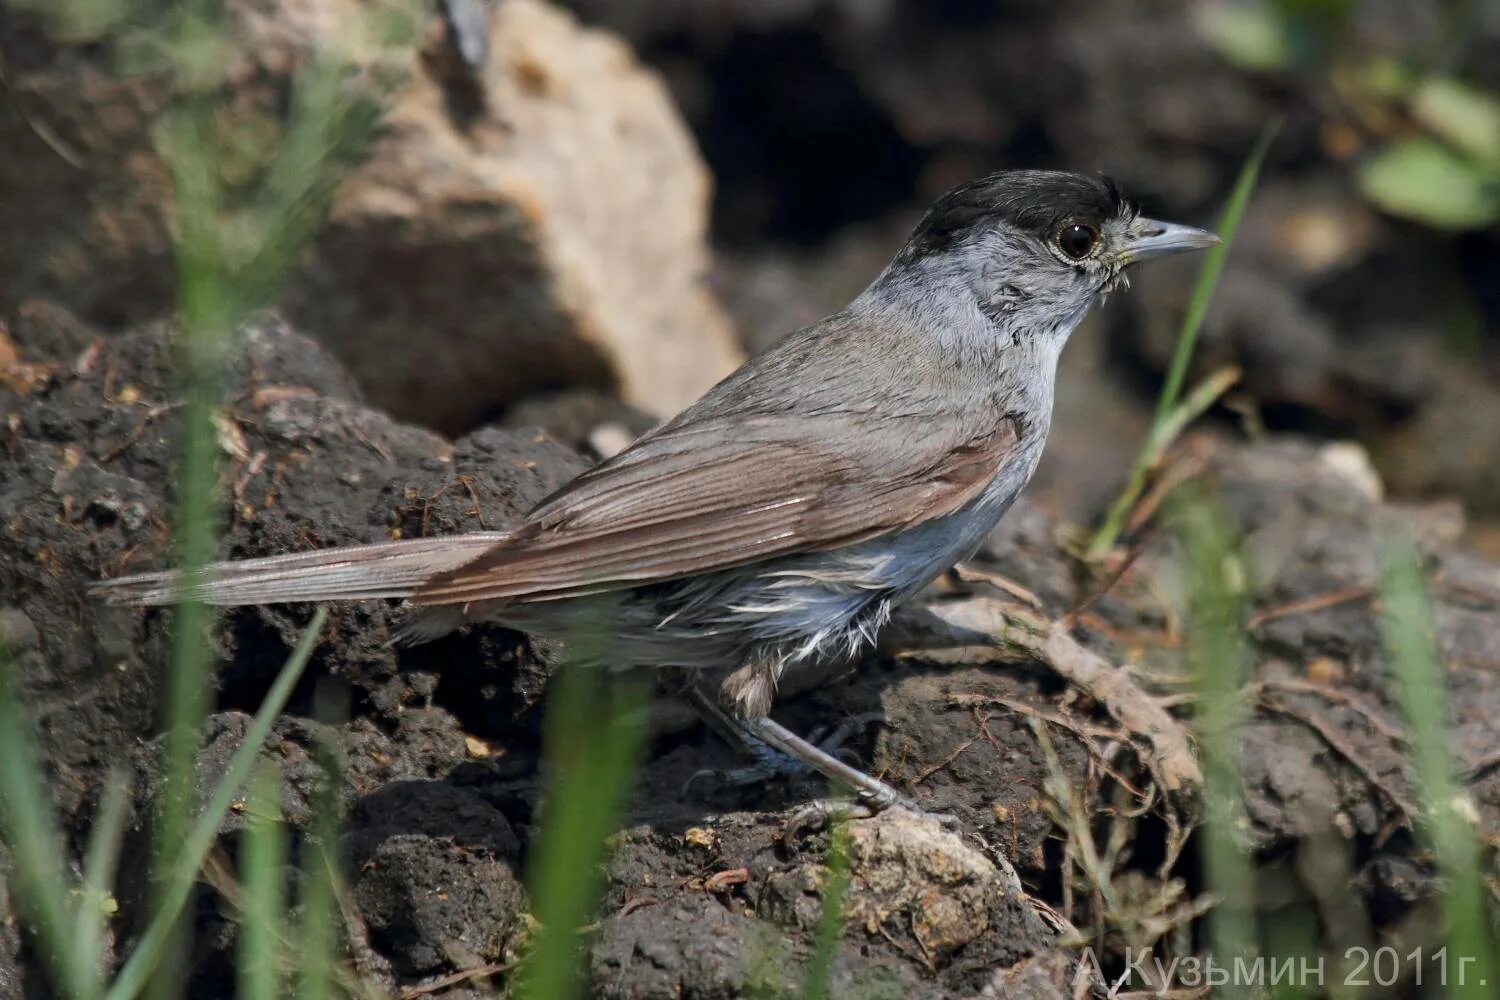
point(821, 813)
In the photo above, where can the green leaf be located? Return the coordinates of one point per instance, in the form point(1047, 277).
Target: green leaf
point(1424, 180)
point(1250, 35)
point(1464, 116)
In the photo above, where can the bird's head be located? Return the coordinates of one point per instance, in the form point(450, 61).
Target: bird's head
point(1034, 241)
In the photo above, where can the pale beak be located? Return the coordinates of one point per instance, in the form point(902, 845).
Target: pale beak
point(1150, 238)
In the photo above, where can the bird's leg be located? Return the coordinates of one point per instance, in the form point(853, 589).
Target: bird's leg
point(782, 752)
point(873, 792)
point(770, 761)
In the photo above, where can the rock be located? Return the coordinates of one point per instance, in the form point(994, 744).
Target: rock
point(556, 238)
point(90, 216)
point(546, 230)
point(912, 877)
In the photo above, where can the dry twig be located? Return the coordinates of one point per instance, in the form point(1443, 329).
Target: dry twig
point(994, 627)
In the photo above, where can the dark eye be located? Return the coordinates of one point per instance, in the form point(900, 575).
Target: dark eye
point(1077, 240)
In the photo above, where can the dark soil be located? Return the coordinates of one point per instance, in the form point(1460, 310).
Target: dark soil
point(437, 745)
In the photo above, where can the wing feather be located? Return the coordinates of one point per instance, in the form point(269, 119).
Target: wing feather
point(676, 505)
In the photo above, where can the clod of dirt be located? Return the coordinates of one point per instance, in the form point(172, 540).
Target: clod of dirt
point(583, 419)
point(689, 947)
point(918, 890)
point(87, 490)
point(694, 946)
point(957, 740)
point(435, 876)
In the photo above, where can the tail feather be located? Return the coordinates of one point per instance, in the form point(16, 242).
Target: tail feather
point(354, 572)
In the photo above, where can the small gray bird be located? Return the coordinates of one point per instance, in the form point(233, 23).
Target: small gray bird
point(782, 516)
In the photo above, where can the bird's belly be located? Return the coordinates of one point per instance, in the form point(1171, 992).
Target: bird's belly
point(833, 603)
point(808, 606)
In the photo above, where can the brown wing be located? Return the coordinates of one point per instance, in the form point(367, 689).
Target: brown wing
point(703, 499)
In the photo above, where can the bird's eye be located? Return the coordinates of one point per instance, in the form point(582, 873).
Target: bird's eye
point(1077, 240)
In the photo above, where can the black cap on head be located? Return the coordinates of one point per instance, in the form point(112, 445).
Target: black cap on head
point(1036, 201)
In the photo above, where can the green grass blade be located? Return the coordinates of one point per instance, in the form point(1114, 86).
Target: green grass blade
point(317, 938)
point(99, 867)
point(263, 875)
point(830, 927)
point(1182, 356)
point(594, 739)
point(1219, 661)
point(316, 942)
point(1213, 267)
point(228, 263)
point(188, 858)
point(1410, 633)
point(206, 311)
point(38, 849)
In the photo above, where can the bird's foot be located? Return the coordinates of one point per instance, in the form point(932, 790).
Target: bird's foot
point(823, 813)
point(871, 795)
point(770, 763)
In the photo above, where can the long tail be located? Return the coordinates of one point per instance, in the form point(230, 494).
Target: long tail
point(354, 572)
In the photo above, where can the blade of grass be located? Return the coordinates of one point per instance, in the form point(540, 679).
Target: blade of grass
point(204, 320)
point(1410, 633)
point(1218, 658)
point(1213, 266)
point(37, 846)
point(594, 739)
point(1157, 441)
point(262, 873)
point(316, 937)
point(191, 851)
point(100, 864)
point(830, 925)
point(227, 267)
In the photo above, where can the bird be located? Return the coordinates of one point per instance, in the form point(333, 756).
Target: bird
point(782, 517)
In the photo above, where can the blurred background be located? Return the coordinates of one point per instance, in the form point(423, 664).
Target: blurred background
point(1363, 298)
point(538, 220)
